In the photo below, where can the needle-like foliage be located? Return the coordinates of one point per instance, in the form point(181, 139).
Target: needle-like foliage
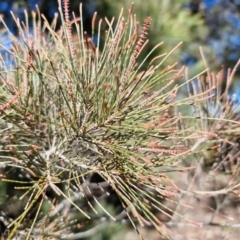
point(73, 108)
point(219, 122)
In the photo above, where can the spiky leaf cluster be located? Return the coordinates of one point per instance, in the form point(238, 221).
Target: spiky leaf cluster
point(219, 115)
point(71, 110)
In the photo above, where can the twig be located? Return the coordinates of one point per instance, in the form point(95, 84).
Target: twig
point(202, 224)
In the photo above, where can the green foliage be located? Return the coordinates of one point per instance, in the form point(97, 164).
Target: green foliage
point(72, 113)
